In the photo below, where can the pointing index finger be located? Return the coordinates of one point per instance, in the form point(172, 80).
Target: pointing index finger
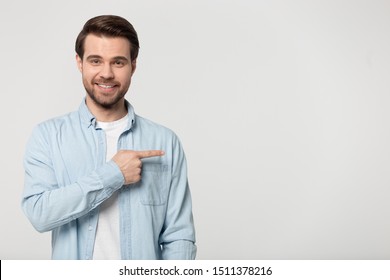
point(150, 153)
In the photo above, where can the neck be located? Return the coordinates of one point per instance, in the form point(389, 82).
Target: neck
point(103, 114)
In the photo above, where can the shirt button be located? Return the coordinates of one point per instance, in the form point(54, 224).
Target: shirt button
point(90, 228)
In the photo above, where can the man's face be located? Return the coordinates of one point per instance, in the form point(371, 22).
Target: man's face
point(106, 69)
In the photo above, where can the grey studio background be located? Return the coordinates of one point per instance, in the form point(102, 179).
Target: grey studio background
point(282, 107)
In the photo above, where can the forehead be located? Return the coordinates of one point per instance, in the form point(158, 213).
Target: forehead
point(106, 47)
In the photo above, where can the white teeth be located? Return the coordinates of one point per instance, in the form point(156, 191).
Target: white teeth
point(105, 86)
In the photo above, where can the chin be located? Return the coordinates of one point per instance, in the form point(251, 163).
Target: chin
point(107, 103)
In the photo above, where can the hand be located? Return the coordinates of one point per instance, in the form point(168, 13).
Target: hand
point(130, 163)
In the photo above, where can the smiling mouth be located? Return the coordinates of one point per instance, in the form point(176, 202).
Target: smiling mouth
point(106, 86)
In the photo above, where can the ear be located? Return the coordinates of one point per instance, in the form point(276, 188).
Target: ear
point(133, 66)
point(79, 62)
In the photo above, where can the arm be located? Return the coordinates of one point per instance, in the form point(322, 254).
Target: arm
point(178, 235)
point(48, 205)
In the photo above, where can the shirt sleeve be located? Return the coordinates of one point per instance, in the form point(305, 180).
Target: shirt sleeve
point(178, 235)
point(48, 205)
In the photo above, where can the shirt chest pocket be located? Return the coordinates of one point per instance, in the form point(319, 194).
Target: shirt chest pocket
point(153, 187)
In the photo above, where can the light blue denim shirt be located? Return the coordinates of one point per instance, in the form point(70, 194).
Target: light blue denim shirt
point(67, 178)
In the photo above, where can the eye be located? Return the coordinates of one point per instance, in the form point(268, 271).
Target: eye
point(119, 63)
point(94, 61)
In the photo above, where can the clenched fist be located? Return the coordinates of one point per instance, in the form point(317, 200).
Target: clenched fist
point(130, 163)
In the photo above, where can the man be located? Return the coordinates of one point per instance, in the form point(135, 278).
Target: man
point(108, 183)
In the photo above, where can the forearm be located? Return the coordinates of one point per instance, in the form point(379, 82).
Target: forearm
point(48, 206)
point(178, 236)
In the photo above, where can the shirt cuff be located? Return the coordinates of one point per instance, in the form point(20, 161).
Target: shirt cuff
point(111, 177)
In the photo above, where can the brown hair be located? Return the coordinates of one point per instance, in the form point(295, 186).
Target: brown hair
point(110, 26)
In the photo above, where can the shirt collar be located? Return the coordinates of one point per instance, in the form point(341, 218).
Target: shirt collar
point(90, 120)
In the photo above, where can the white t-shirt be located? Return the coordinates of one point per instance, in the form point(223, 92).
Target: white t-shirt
point(107, 241)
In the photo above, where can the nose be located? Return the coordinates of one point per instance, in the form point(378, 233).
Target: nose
point(106, 72)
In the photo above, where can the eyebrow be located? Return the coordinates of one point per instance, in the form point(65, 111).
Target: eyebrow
point(93, 56)
point(120, 58)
